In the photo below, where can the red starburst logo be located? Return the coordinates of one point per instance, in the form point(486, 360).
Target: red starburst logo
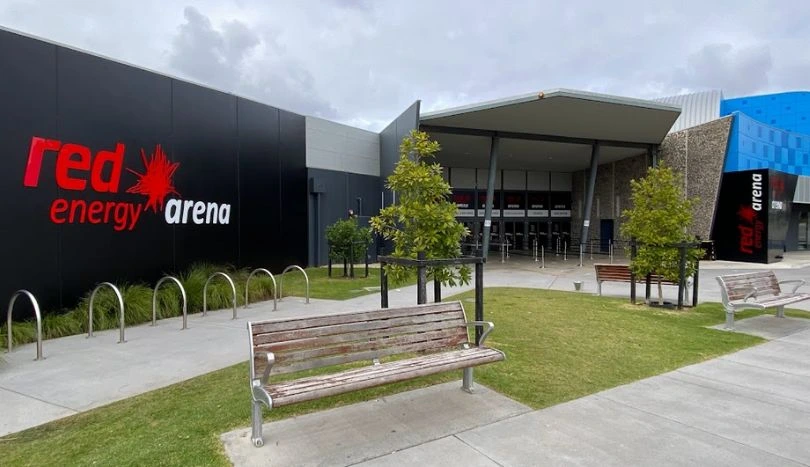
point(156, 181)
point(747, 214)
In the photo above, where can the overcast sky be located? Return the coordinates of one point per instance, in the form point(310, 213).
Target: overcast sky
point(363, 61)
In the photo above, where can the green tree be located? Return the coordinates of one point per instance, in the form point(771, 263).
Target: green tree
point(342, 234)
point(660, 217)
point(422, 220)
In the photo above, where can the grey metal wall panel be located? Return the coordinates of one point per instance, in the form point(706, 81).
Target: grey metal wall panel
point(802, 194)
point(514, 179)
point(334, 146)
point(696, 108)
point(339, 192)
point(483, 179)
point(561, 181)
point(538, 181)
point(462, 177)
point(391, 137)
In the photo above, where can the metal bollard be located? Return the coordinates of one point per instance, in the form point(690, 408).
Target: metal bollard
point(610, 248)
point(543, 256)
point(565, 251)
point(503, 258)
point(591, 247)
point(535, 250)
point(557, 251)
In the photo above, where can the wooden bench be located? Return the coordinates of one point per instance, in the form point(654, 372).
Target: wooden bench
point(425, 339)
point(621, 273)
point(757, 290)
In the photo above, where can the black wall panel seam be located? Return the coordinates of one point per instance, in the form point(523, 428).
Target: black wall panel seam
point(60, 228)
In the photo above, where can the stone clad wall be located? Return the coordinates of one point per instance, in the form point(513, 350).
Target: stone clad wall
point(698, 152)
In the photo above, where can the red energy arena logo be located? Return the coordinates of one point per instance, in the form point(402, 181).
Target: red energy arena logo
point(78, 170)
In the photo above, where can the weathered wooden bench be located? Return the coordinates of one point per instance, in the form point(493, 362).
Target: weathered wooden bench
point(621, 273)
point(418, 341)
point(757, 290)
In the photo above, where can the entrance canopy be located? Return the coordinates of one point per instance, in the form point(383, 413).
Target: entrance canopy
point(554, 130)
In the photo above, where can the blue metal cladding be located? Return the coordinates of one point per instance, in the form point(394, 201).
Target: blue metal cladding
point(788, 111)
point(756, 145)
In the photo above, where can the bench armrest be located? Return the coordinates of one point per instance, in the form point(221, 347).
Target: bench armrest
point(270, 358)
point(490, 326)
point(751, 294)
point(798, 282)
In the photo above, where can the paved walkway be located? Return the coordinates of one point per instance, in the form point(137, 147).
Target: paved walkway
point(750, 408)
point(79, 374)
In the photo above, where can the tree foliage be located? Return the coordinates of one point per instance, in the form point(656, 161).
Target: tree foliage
point(659, 219)
point(342, 234)
point(423, 219)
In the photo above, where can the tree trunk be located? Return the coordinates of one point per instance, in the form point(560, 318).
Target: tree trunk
point(660, 293)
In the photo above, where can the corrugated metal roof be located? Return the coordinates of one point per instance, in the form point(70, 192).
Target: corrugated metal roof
point(696, 108)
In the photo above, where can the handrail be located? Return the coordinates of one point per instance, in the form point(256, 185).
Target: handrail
point(121, 324)
point(281, 285)
point(205, 292)
point(182, 293)
point(36, 313)
point(275, 288)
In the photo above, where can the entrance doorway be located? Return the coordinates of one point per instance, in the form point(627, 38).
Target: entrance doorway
point(538, 230)
point(605, 234)
point(515, 235)
point(561, 231)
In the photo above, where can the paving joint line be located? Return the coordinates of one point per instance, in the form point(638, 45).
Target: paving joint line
point(75, 411)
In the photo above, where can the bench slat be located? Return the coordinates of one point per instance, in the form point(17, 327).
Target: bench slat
point(451, 337)
point(368, 371)
point(426, 346)
point(452, 318)
point(275, 325)
point(391, 372)
point(311, 342)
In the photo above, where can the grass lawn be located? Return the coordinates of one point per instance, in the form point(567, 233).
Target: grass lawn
point(335, 288)
point(559, 346)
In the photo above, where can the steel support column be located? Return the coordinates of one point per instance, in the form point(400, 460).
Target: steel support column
point(495, 143)
point(652, 151)
point(586, 214)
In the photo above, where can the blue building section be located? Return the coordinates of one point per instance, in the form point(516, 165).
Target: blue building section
point(789, 110)
point(769, 132)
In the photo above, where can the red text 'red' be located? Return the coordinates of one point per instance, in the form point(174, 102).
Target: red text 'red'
point(75, 164)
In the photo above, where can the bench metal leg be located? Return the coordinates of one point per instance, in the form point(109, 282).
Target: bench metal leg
point(467, 382)
point(730, 320)
point(256, 417)
point(599, 288)
point(780, 311)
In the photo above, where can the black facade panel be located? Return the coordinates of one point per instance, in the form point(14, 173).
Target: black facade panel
point(754, 215)
point(259, 180)
point(103, 104)
point(390, 139)
point(293, 193)
point(28, 249)
point(204, 142)
point(102, 201)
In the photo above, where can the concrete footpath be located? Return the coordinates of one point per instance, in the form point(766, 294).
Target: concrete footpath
point(750, 408)
point(79, 374)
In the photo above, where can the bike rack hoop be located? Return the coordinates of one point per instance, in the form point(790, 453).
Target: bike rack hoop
point(289, 268)
point(182, 293)
point(275, 288)
point(205, 291)
point(121, 320)
point(37, 314)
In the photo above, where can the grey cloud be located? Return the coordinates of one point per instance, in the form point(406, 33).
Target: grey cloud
point(736, 71)
point(219, 57)
point(363, 61)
